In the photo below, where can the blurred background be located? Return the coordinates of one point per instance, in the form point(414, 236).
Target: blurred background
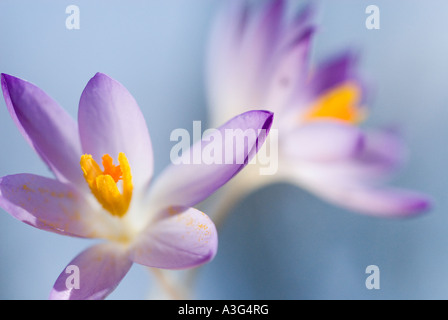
point(281, 242)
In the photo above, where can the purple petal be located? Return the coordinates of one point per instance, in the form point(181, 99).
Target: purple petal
point(302, 20)
point(260, 44)
point(291, 70)
point(338, 186)
point(111, 122)
point(46, 126)
point(377, 201)
point(196, 177)
point(262, 33)
point(230, 25)
point(47, 204)
point(239, 59)
point(384, 153)
point(336, 71)
point(267, 26)
point(180, 238)
point(323, 141)
point(100, 269)
point(223, 58)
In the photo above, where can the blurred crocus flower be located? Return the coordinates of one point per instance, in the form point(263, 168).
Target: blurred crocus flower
point(155, 227)
point(259, 58)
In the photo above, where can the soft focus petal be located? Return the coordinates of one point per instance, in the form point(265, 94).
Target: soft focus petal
point(340, 188)
point(384, 153)
point(46, 126)
point(226, 36)
point(180, 238)
point(48, 204)
point(243, 43)
point(193, 179)
point(323, 141)
point(377, 201)
point(336, 71)
point(101, 268)
point(290, 71)
point(262, 36)
point(297, 26)
point(111, 122)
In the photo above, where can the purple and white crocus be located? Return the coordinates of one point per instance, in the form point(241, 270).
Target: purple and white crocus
point(150, 224)
point(259, 58)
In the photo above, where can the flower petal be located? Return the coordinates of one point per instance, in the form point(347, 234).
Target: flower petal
point(196, 177)
point(337, 70)
point(340, 188)
point(111, 122)
point(384, 153)
point(291, 71)
point(46, 126)
point(303, 19)
point(385, 202)
point(242, 46)
point(100, 269)
point(263, 34)
point(226, 36)
point(323, 141)
point(180, 238)
point(49, 205)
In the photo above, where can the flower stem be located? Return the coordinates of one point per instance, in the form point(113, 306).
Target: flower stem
point(174, 292)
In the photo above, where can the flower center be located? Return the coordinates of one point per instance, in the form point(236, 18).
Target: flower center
point(104, 183)
point(341, 103)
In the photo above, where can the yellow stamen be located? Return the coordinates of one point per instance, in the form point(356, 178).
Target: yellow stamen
point(103, 183)
point(341, 103)
point(110, 168)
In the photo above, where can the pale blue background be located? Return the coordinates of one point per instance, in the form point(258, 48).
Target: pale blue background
point(281, 242)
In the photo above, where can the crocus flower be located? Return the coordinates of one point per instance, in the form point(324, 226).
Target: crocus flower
point(154, 226)
point(259, 58)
